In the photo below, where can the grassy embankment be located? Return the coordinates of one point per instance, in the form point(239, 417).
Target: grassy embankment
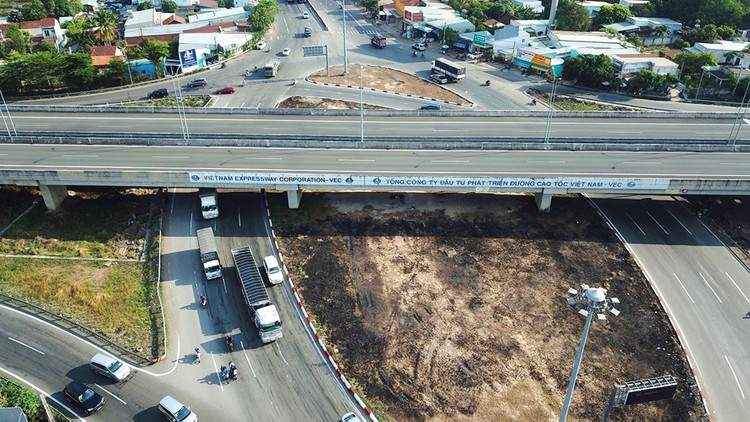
point(114, 298)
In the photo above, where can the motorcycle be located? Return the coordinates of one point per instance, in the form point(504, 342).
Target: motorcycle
point(247, 72)
point(230, 344)
point(233, 372)
point(203, 301)
point(487, 82)
point(533, 101)
point(223, 65)
point(224, 373)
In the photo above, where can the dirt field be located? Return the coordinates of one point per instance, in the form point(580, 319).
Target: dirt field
point(452, 307)
point(324, 103)
point(387, 79)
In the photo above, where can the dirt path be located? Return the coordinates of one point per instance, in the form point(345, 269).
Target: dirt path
point(452, 307)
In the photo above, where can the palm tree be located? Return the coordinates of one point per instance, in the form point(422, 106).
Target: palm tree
point(107, 23)
point(659, 32)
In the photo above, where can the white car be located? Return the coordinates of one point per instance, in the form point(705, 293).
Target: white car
point(350, 417)
point(474, 56)
point(419, 46)
point(286, 51)
point(305, 15)
point(261, 45)
point(275, 276)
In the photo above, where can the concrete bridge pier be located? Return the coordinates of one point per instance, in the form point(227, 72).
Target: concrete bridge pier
point(53, 195)
point(293, 197)
point(544, 198)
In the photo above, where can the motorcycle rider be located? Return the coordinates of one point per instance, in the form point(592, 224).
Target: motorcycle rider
point(197, 354)
point(487, 82)
point(230, 344)
point(203, 301)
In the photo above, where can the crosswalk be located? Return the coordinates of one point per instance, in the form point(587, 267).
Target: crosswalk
point(358, 31)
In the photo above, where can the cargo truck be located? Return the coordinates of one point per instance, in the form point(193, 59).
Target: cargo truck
point(264, 313)
point(272, 68)
point(209, 203)
point(452, 71)
point(378, 41)
point(209, 253)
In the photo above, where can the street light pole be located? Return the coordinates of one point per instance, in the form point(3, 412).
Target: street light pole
point(343, 13)
point(592, 301)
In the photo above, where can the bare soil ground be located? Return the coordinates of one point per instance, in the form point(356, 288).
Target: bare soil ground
point(452, 307)
point(324, 103)
point(386, 79)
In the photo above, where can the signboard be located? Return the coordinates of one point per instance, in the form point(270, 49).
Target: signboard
point(400, 7)
point(417, 17)
point(314, 50)
point(188, 58)
point(651, 389)
point(407, 15)
point(479, 39)
point(386, 181)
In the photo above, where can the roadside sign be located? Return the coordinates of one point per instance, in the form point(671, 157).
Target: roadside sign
point(479, 39)
point(314, 50)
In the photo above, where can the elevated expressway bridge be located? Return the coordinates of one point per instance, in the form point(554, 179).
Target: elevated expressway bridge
point(622, 152)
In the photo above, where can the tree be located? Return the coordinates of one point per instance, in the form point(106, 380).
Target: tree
point(44, 46)
point(155, 51)
point(17, 40)
point(660, 32)
point(371, 6)
point(169, 6)
point(263, 16)
point(571, 16)
point(691, 63)
point(108, 26)
point(226, 4)
point(78, 32)
point(451, 36)
point(78, 71)
point(634, 40)
point(34, 11)
point(611, 14)
point(588, 69)
point(145, 5)
point(116, 73)
point(643, 9)
point(59, 8)
point(726, 32)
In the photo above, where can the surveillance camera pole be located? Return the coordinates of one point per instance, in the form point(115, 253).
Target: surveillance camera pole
point(592, 301)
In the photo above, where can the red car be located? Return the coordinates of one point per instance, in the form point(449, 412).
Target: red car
point(226, 90)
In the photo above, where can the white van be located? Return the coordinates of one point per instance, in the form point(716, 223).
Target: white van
point(175, 411)
point(275, 276)
point(109, 367)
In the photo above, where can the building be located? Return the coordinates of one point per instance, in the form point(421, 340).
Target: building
point(101, 56)
point(535, 5)
point(628, 65)
point(593, 7)
point(628, 3)
point(198, 49)
point(506, 40)
point(47, 29)
point(214, 17)
point(150, 18)
point(723, 50)
point(649, 29)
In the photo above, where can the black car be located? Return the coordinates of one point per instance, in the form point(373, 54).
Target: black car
point(430, 107)
point(89, 400)
point(197, 82)
point(159, 93)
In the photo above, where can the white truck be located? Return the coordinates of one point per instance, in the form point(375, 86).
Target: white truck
point(209, 253)
point(272, 68)
point(264, 313)
point(209, 203)
point(452, 71)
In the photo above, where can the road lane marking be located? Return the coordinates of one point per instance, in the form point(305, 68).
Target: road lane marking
point(280, 354)
point(110, 393)
point(657, 223)
point(678, 220)
point(709, 286)
point(262, 158)
point(352, 160)
point(738, 287)
point(735, 377)
point(218, 374)
point(641, 163)
point(25, 345)
point(545, 162)
point(239, 216)
point(171, 157)
point(19, 378)
point(746, 121)
point(79, 156)
point(450, 161)
point(244, 353)
point(636, 224)
point(683, 288)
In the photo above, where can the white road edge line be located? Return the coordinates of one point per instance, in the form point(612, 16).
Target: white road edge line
point(218, 374)
point(738, 287)
point(47, 396)
point(709, 286)
point(239, 216)
point(636, 224)
point(683, 288)
point(678, 220)
point(280, 354)
point(110, 393)
point(25, 345)
point(735, 377)
point(244, 353)
point(657, 223)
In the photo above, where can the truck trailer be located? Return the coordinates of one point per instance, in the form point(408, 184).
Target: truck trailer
point(264, 313)
point(452, 71)
point(209, 253)
point(209, 203)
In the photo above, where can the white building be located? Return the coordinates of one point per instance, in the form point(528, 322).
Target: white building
point(720, 49)
point(628, 65)
point(628, 3)
point(204, 45)
point(507, 39)
point(535, 5)
point(220, 16)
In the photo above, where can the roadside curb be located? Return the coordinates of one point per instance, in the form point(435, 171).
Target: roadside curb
point(319, 341)
point(658, 294)
point(421, 97)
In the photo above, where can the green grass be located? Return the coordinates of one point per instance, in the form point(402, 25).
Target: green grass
point(103, 225)
point(199, 102)
point(571, 105)
point(107, 297)
point(15, 200)
point(6, 6)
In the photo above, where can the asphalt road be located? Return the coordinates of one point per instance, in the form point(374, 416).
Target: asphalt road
point(703, 288)
point(377, 127)
point(286, 380)
point(677, 165)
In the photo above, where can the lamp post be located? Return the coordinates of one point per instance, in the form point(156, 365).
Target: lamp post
point(591, 301)
point(343, 13)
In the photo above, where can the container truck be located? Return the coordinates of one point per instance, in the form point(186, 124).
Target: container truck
point(264, 313)
point(209, 203)
point(452, 71)
point(209, 253)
